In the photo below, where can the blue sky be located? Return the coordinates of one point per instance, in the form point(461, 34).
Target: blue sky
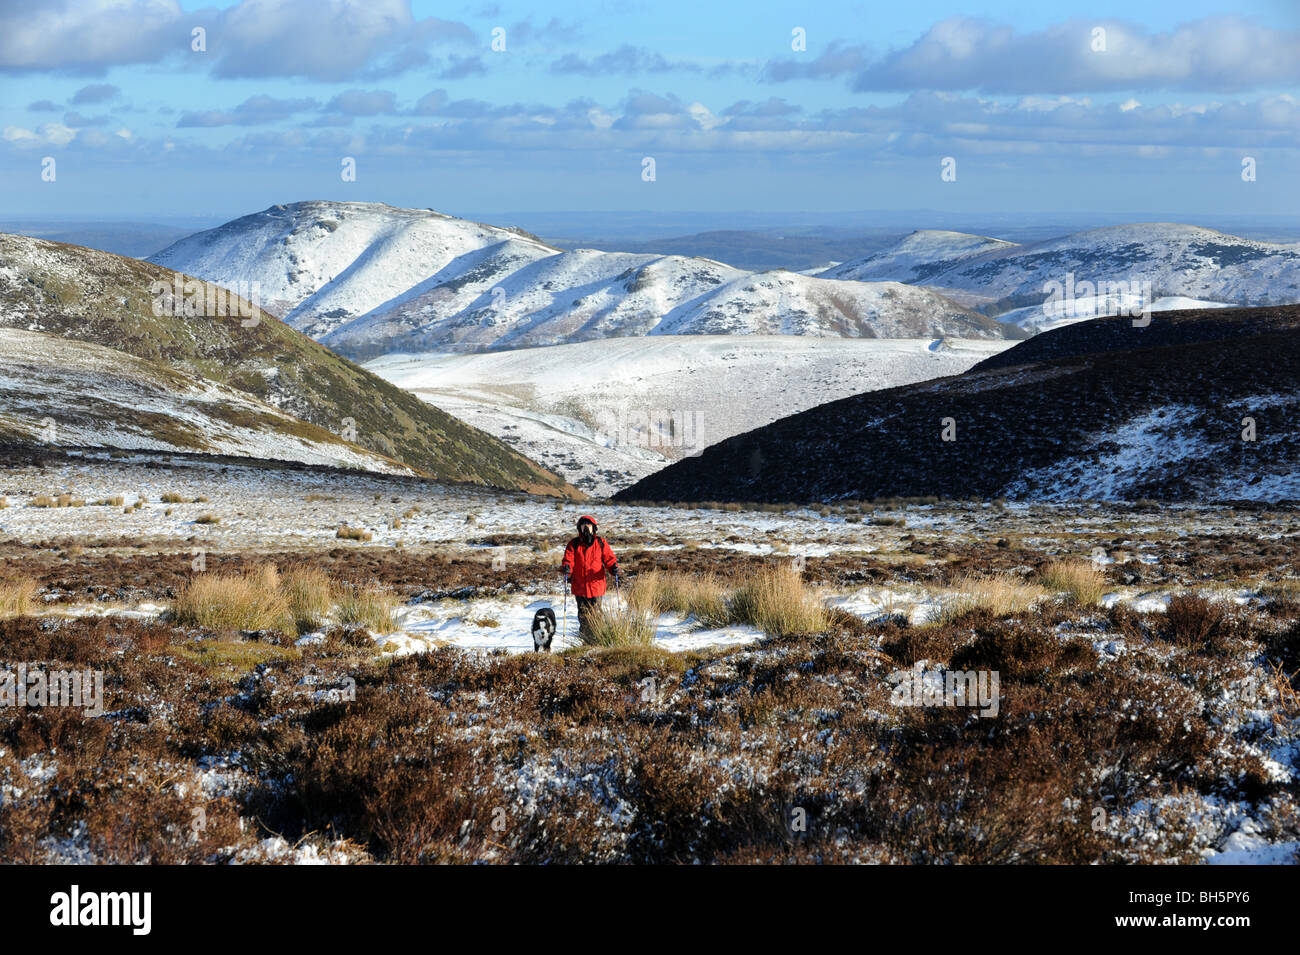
point(1035, 114)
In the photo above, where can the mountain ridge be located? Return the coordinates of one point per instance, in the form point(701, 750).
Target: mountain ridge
point(369, 279)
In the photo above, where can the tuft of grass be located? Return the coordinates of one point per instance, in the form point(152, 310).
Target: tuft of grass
point(1285, 588)
point(369, 605)
point(117, 501)
point(171, 497)
point(4, 502)
point(701, 597)
point(62, 500)
point(352, 533)
point(207, 519)
point(1081, 580)
point(253, 600)
point(999, 594)
point(16, 597)
point(778, 602)
point(610, 626)
point(310, 595)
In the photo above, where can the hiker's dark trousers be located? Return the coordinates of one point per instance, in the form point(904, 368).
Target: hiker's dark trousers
point(586, 607)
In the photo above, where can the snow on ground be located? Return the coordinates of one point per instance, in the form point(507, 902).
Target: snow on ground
point(503, 624)
point(599, 412)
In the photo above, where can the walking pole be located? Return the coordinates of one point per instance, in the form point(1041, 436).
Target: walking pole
point(564, 630)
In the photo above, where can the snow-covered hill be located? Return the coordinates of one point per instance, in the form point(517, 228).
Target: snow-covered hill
point(75, 394)
point(1153, 260)
point(369, 279)
point(605, 414)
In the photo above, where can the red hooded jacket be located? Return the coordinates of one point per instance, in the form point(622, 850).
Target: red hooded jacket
point(586, 564)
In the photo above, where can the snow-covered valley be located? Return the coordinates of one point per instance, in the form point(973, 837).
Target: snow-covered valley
point(605, 414)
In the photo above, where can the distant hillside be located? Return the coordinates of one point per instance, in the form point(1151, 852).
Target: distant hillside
point(91, 296)
point(1177, 260)
point(369, 279)
point(1099, 410)
point(753, 251)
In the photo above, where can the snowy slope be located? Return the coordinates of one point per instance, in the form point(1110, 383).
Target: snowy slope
point(75, 394)
point(1177, 260)
point(916, 257)
point(369, 279)
point(598, 412)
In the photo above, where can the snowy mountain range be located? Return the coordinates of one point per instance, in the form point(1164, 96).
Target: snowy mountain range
point(1152, 261)
point(369, 279)
point(1198, 406)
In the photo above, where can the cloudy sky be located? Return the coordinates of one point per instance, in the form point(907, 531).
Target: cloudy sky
point(1109, 105)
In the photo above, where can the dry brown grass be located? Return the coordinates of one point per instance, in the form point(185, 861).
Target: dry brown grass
point(1284, 588)
point(253, 600)
point(17, 597)
point(368, 605)
point(694, 595)
point(310, 595)
point(61, 500)
point(1081, 581)
point(613, 626)
point(352, 533)
point(999, 594)
point(207, 519)
point(778, 602)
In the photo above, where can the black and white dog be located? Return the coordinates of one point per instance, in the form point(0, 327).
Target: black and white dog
point(543, 629)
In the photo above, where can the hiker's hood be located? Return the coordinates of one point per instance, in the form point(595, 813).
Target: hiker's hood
point(587, 517)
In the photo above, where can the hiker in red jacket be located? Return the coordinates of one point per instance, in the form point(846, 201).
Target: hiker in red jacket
point(586, 558)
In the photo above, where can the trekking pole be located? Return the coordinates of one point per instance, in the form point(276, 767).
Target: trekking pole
point(564, 630)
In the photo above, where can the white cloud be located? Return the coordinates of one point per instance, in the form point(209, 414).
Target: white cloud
point(1226, 54)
